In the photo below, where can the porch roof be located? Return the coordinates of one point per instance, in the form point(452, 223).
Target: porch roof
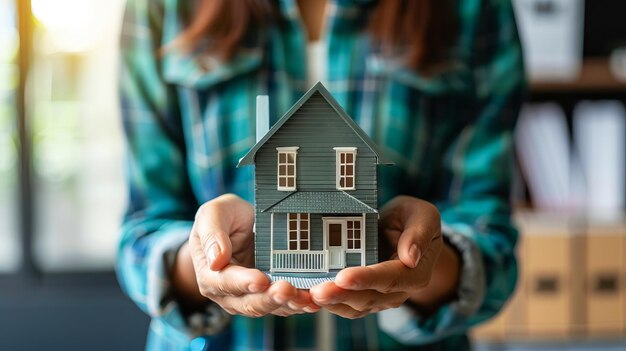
point(320, 202)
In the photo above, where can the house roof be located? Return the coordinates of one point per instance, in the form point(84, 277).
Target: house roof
point(248, 159)
point(320, 202)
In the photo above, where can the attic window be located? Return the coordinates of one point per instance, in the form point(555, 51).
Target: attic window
point(286, 176)
point(346, 164)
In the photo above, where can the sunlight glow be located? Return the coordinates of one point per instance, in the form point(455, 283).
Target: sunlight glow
point(73, 24)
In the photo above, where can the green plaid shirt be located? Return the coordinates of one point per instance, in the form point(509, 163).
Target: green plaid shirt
point(189, 119)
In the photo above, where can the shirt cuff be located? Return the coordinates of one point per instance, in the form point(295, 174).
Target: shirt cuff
point(161, 302)
point(406, 326)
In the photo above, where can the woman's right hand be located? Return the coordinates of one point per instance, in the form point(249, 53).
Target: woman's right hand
point(221, 246)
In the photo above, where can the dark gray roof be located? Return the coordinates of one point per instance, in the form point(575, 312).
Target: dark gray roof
point(320, 202)
point(248, 159)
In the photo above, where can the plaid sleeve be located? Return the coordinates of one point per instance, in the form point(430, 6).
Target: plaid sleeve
point(476, 211)
point(161, 203)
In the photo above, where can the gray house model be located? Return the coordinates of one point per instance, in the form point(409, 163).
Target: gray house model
point(315, 191)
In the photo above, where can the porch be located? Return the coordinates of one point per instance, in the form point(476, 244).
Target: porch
point(317, 232)
point(304, 280)
point(299, 261)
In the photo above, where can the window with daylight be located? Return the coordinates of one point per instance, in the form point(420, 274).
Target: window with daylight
point(346, 162)
point(298, 224)
point(287, 168)
point(354, 235)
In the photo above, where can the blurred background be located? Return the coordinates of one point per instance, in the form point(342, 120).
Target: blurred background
point(62, 190)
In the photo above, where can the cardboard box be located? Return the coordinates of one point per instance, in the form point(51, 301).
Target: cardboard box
point(510, 320)
point(605, 279)
point(493, 330)
point(553, 274)
point(515, 328)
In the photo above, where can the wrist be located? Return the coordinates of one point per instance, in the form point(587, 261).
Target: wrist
point(443, 284)
point(183, 278)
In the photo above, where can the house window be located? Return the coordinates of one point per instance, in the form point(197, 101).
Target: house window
point(346, 162)
point(354, 235)
point(298, 224)
point(287, 168)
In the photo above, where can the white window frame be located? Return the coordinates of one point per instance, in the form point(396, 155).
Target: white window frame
point(353, 239)
point(338, 152)
point(288, 150)
point(299, 229)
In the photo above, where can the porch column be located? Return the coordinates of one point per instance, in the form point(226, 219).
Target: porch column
point(325, 247)
point(272, 242)
point(363, 235)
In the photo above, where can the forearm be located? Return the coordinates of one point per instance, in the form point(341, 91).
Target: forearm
point(443, 284)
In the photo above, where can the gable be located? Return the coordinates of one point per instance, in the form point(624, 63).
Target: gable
point(320, 97)
point(315, 127)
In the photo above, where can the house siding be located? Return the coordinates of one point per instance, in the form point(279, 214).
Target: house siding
point(316, 129)
point(353, 259)
point(371, 238)
point(262, 241)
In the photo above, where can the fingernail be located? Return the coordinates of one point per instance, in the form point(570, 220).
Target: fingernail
point(354, 284)
point(346, 283)
point(213, 252)
point(280, 299)
point(414, 254)
point(310, 309)
point(322, 299)
point(254, 288)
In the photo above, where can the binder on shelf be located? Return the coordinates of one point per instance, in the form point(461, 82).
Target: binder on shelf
point(552, 36)
point(542, 142)
point(600, 137)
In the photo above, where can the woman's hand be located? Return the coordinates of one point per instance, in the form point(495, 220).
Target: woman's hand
point(412, 229)
point(221, 247)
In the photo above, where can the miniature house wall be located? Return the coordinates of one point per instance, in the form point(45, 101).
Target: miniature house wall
point(315, 190)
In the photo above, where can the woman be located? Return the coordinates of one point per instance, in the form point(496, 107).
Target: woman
point(437, 84)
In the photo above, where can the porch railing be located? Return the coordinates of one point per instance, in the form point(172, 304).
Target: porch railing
point(299, 261)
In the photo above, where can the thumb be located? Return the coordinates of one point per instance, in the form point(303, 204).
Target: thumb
point(412, 245)
point(214, 237)
point(217, 248)
point(422, 224)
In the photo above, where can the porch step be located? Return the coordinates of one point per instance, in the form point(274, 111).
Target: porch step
point(300, 282)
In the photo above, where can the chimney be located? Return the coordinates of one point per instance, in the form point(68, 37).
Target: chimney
point(262, 116)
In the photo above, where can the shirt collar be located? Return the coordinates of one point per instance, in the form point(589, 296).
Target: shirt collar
point(289, 8)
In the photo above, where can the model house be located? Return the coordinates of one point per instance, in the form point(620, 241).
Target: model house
point(315, 191)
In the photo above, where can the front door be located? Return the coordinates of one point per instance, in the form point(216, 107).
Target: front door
point(336, 252)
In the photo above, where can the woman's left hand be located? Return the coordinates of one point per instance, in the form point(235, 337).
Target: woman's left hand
point(412, 228)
